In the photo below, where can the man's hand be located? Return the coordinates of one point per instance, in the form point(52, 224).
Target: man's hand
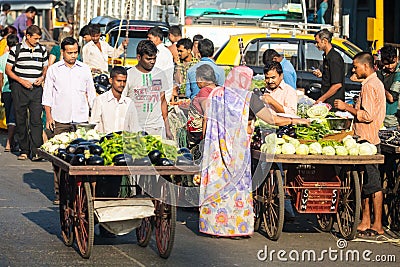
point(317, 73)
point(267, 99)
point(26, 84)
point(169, 135)
point(301, 121)
point(339, 104)
point(39, 81)
point(50, 123)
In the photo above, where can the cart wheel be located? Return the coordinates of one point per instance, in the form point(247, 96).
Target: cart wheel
point(143, 232)
point(394, 212)
point(274, 205)
point(257, 207)
point(66, 209)
point(165, 222)
point(349, 207)
point(325, 221)
point(84, 216)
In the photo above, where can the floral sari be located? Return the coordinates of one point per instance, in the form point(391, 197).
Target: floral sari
point(226, 205)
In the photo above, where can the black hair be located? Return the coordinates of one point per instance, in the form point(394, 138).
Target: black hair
point(324, 34)
point(206, 73)
point(12, 40)
point(365, 58)
point(273, 65)
point(117, 70)
point(197, 37)
point(31, 9)
point(31, 30)
point(94, 29)
point(175, 30)
point(269, 55)
point(157, 32)
point(68, 41)
point(185, 42)
point(388, 54)
point(8, 30)
point(146, 47)
point(85, 30)
point(6, 7)
point(206, 48)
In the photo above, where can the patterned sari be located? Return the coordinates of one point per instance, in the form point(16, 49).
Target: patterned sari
point(226, 205)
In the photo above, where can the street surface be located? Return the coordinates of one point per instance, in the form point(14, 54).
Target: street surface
point(30, 234)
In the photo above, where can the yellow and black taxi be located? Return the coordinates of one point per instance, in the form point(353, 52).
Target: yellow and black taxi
point(299, 49)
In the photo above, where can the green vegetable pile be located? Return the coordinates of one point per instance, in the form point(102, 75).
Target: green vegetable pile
point(317, 130)
point(135, 144)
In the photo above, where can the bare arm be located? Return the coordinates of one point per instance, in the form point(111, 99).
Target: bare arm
point(13, 76)
point(266, 116)
point(164, 110)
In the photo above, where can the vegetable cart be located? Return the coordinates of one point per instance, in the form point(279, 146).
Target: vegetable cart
point(80, 209)
point(311, 183)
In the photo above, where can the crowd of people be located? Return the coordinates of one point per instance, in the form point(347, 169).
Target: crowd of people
point(52, 91)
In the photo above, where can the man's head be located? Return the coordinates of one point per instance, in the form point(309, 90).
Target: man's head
point(323, 39)
point(174, 33)
point(118, 79)
point(206, 48)
point(12, 40)
point(184, 47)
point(146, 54)
point(31, 12)
point(196, 40)
point(271, 55)
point(6, 8)
point(33, 35)
point(205, 75)
point(155, 35)
point(389, 58)
point(85, 33)
point(95, 33)
point(363, 65)
point(69, 50)
point(273, 73)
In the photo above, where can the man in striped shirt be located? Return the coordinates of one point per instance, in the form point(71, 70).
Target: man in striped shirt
point(26, 69)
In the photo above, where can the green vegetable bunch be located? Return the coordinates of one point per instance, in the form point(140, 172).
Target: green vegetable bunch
point(315, 131)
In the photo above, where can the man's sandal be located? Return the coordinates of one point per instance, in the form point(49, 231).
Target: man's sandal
point(23, 157)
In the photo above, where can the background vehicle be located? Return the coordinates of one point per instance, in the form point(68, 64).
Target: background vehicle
point(300, 50)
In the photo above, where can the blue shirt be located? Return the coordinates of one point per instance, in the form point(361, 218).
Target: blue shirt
point(289, 73)
point(3, 62)
point(191, 86)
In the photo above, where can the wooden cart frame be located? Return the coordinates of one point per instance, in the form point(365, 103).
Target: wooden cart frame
point(269, 197)
point(77, 203)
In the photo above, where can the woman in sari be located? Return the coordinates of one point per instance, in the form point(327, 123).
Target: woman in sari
point(226, 204)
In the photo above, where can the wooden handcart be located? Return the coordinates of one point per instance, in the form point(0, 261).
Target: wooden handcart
point(339, 195)
point(78, 203)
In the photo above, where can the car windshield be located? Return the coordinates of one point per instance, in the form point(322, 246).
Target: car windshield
point(134, 38)
point(271, 9)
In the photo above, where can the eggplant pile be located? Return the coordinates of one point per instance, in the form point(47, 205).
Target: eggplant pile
point(82, 152)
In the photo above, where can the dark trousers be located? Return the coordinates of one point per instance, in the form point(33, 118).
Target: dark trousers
point(28, 112)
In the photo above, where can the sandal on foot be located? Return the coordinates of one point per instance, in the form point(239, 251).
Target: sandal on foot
point(7, 150)
point(23, 157)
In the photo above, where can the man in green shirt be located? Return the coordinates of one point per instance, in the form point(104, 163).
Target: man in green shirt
point(390, 77)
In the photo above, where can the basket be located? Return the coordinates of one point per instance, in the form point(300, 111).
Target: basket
point(316, 195)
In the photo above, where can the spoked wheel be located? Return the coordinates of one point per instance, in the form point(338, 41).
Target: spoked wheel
point(257, 207)
point(84, 216)
point(325, 221)
point(66, 208)
point(165, 221)
point(143, 232)
point(348, 214)
point(273, 205)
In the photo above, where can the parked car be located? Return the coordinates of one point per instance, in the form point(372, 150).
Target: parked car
point(300, 50)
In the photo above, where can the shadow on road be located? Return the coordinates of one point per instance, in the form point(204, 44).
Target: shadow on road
point(42, 181)
point(47, 220)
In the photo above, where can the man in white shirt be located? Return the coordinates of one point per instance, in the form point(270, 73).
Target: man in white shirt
point(109, 109)
point(96, 52)
point(68, 90)
point(164, 61)
point(146, 86)
point(68, 93)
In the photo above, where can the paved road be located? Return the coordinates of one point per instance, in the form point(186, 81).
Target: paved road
point(30, 235)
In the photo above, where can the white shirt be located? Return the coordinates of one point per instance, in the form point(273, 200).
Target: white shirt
point(95, 58)
point(69, 92)
point(108, 113)
point(165, 62)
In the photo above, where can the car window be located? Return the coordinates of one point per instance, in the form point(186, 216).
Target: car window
point(254, 51)
point(313, 58)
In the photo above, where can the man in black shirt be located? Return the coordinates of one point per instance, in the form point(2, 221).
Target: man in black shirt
point(332, 69)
